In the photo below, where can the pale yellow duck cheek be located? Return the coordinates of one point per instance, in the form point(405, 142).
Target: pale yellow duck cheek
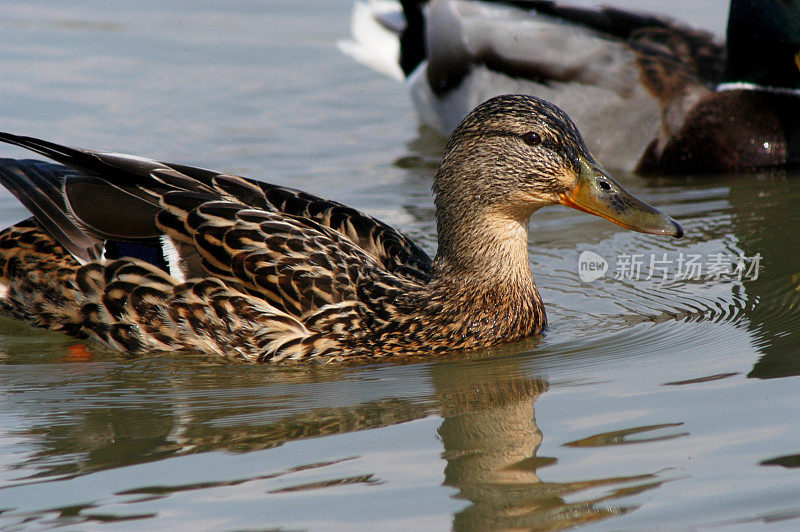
point(561, 179)
point(568, 177)
point(560, 175)
point(524, 203)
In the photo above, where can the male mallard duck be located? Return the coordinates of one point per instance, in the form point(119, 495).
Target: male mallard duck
point(651, 94)
point(142, 255)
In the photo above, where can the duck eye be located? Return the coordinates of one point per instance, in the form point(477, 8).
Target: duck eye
point(532, 138)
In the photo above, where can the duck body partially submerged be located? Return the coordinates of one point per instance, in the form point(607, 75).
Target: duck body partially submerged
point(142, 255)
point(650, 93)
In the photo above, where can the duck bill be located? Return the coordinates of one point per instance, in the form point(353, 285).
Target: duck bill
point(598, 194)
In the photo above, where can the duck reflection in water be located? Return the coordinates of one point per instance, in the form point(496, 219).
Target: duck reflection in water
point(488, 432)
point(491, 441)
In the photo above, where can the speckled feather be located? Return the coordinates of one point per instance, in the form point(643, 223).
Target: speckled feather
point(267, 273)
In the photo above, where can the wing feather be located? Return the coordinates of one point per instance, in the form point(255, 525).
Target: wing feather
point(293, 263)
point(196, 208)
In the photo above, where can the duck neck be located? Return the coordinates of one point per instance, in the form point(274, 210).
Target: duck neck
point(485, 251)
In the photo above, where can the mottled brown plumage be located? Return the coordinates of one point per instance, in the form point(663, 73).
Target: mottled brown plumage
point(142, 255)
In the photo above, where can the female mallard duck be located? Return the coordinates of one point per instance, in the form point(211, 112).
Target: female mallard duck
point(650, 94)
point(142, 255)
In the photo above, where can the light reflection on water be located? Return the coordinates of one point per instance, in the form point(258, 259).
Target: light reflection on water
point(647, 403)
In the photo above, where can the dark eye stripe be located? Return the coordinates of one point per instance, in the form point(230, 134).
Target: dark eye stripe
point(570, 150)
point(511, 135)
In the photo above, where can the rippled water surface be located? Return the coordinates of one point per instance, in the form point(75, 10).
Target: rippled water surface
point(657, 399)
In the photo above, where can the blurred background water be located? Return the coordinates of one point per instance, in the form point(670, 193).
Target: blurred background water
point(650, 402)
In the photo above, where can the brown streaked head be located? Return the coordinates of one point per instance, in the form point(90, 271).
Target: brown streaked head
point(516, 153)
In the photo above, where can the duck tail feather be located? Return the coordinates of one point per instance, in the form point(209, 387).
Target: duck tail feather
point(117, 168)
point(39, 187)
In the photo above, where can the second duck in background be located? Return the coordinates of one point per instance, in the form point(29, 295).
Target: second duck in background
point(651, 94)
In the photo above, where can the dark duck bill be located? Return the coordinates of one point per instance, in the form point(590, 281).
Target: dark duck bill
point(597, 193)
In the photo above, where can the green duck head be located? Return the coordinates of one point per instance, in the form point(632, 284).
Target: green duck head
point(764, 43)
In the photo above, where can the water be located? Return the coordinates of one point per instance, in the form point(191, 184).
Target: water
point(650, 403)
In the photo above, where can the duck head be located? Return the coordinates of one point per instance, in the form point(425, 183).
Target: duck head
point(764, 43)
point(515, 154)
